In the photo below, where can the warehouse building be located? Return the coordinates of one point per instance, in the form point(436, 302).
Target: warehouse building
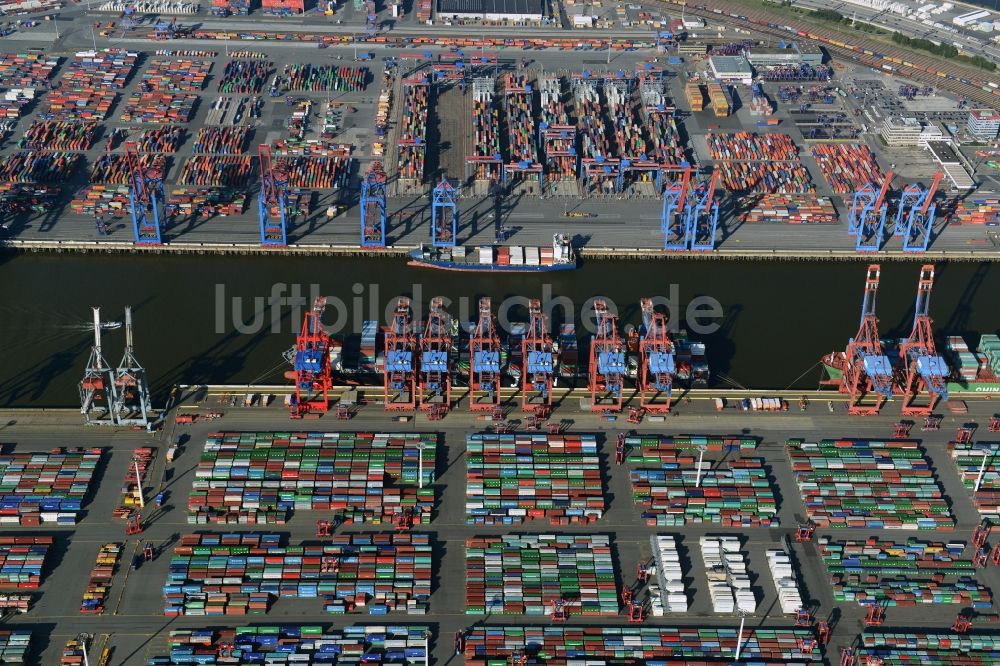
point(951, 165)
point(983, 123)
point(731, 69)
point(492, 10)
point(791, 56)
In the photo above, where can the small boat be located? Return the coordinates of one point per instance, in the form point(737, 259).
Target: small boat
point(502, 258)
point(110, 325)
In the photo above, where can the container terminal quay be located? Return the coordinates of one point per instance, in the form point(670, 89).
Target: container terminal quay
point(616, 507)
point(728, 137)
point(469, 477)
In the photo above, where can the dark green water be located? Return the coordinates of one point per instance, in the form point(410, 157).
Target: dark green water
point(777, 318)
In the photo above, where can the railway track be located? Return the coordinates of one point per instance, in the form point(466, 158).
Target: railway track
point(969, 82)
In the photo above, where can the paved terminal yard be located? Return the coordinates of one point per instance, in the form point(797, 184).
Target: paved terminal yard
point(134, 628)
point(627, 220)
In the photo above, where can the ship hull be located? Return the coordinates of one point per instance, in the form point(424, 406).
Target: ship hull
point(462, 267)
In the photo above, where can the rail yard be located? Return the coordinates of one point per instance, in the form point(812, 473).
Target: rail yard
point(491, 485)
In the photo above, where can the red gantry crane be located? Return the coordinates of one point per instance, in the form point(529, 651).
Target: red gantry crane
point(866, 370)
point(538, 356)
point(484, 361)
point(400, 370)
point(435, 364)
point(607, 362)
point(923, 371)
point(656, 361)
point(311, 363)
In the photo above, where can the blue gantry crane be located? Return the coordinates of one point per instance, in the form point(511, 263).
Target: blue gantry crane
point(145, 196)
point(703, 217)
point(866, 220)
point(272, 203)
point(924, 372)
point(673, 218)
point(444, 214)
point(915, 215)
point(373, 207)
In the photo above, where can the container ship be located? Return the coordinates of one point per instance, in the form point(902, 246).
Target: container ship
point(970, 372)
point(690, 364)
point(498, 259)
point(361, 362)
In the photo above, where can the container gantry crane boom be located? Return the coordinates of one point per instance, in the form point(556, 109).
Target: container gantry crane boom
point(703, 217)
point(484, 361)
point(435, 358)
point(400, 371)
point(145, 196)
point(656, 360)
point(920, 221)
point(866, 369)
point(311, 365)
point(867, 216)
point(133, 404)
point(607, 362)
point(924, 372)
point(673, 218)
point(272, 202)
point(444, 214)
point(538, 356)
point(373, 207)
point(97, 389)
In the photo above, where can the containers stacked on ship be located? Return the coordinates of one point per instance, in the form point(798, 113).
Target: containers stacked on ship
point(691, 363)
point(569, 355)
point(513, 346)
point(368, 351)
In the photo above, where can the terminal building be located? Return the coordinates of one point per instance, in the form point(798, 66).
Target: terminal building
point(901, 132)
point(911, 133)
point(951, 164)
point(983, 123)
point(731, 69)
point(492, 10)
point(791, 56)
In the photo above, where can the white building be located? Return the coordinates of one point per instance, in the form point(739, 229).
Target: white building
point(731, 69)
point(492, 10)
point(931, 133)
point(901, 132)
point(983, 123)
